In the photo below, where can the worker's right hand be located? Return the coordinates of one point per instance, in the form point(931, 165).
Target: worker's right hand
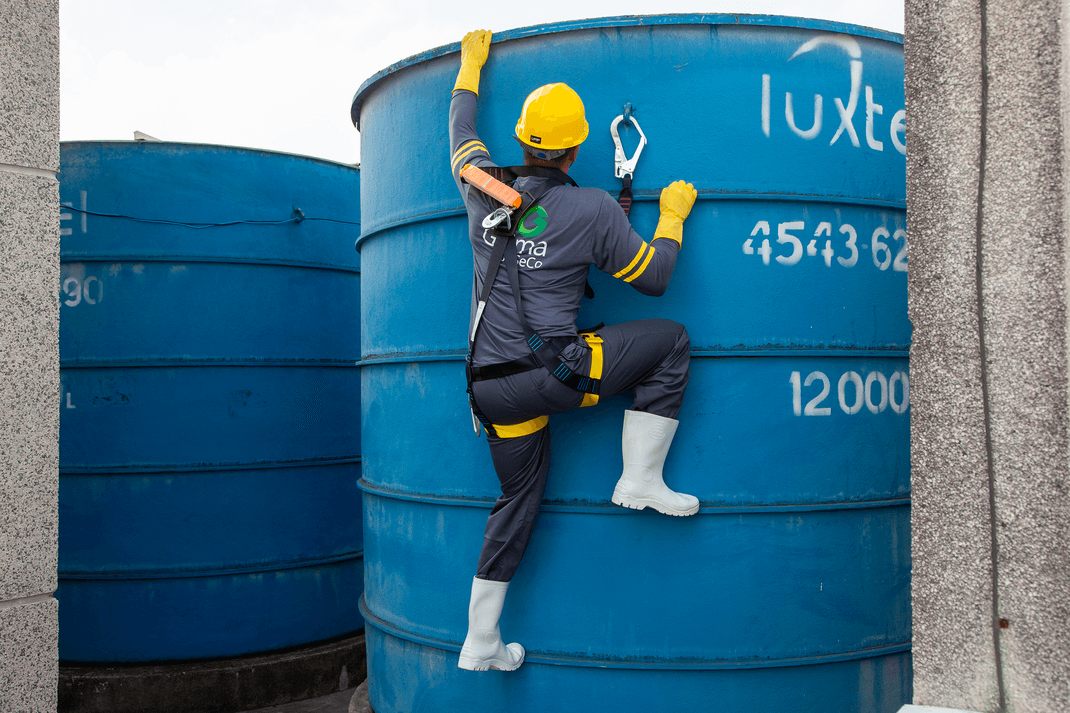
point(676, 201)
point(475, 46)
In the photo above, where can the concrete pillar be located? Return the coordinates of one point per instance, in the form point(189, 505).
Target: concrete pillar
point(29, 367)
point(987, 196)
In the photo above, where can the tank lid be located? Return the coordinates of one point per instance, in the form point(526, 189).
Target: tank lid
point(625, 21)
point(158, 145)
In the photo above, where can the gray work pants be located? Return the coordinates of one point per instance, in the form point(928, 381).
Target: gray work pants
point(650, 358)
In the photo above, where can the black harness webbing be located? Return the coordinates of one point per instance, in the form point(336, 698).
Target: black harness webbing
point(545, 352)
point(508, 174)
point(625, 197)
point(504, 369)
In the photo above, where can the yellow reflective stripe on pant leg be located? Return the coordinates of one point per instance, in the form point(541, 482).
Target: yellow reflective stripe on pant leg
point(526, 428)
point(595, 342)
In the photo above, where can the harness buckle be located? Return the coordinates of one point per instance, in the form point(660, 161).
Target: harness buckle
point(475, 424)
point(625, 166)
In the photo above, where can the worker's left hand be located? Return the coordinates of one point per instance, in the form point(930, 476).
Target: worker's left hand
point(475, 46)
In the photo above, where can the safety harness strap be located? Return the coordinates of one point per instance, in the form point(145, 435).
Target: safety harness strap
point(516, 430)
point(547, 351)
point(504, 369)
point(508, 174)
point(595, 343)
point(495, 261)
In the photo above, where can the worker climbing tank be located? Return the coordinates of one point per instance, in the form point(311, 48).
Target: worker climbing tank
point(790, 587)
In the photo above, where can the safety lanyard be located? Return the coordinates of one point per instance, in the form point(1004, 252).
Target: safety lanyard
point(623, 167)
point(502, 240)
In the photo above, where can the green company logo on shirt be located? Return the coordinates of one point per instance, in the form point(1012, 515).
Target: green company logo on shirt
point(538, 215)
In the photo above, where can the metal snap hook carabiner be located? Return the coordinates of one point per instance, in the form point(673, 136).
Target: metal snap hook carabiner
point(621, 166)
point(493, 220)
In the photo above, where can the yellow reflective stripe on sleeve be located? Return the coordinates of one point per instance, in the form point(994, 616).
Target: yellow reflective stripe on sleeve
point(595, 342)
point(522, 429)
point(642, 267)
point(469, 148)
point(634, 261)
point(463, 147)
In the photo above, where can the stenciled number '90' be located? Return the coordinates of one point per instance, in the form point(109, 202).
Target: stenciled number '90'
point(863, 393)
point(90, 291)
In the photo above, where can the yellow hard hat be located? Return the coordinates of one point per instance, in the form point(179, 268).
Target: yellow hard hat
point(551, 121)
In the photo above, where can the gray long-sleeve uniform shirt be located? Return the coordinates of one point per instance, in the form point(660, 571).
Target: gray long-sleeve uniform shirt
point(571, 229)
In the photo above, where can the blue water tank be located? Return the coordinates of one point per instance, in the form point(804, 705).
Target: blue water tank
point(209, 440)
point(790, 590)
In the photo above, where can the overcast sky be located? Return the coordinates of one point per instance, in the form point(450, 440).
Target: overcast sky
point(280, 74)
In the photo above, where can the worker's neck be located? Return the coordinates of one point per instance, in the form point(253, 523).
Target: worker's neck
point(563, 166)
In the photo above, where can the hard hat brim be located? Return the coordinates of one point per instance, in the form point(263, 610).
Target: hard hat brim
point(564, 144)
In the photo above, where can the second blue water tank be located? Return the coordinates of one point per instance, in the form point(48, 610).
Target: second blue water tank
point(209, 441)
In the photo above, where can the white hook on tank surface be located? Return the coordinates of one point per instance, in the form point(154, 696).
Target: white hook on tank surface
point(621, 166)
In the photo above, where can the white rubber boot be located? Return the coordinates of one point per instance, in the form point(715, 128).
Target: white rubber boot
point(483, 648)
point(646, 442)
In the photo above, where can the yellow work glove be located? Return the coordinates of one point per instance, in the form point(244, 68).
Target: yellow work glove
point(474, 50)
point(676, 201)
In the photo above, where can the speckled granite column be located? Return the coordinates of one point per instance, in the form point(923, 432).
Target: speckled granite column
point(29, 368)
point(987, 210)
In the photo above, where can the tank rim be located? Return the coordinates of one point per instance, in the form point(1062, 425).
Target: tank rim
point(624, 21)
point(198, 145)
